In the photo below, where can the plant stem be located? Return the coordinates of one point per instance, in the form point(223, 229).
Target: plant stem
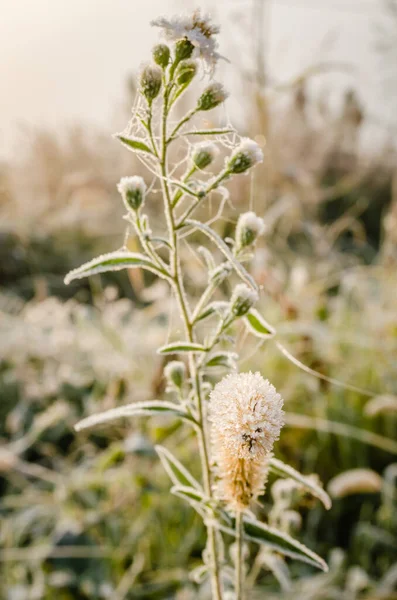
point(185, 313)
point(239, 561)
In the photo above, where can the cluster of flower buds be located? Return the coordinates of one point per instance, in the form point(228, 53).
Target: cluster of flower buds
point(132, 190)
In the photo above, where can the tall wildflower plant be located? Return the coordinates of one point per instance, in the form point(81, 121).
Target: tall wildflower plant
point(237, 421)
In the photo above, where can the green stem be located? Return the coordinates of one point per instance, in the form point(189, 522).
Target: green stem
point(239, 561)
point(223, 175)
point(185, 312)
point(185, 119)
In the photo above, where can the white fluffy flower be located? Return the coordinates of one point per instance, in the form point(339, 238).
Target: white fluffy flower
point(246, 417)
point(197, 28)
point(132, 190)
point(247, 154)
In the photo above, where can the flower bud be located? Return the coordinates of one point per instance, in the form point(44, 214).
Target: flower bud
point(243, 298)
point(249, 227)
point(203, 154)
point(175, 372)
point(212, 96)
point(132, 190)
point(161, 55)
point(186, 71)
point(151, 82)
point(183, 49)
point(220, 273)
point(245, 156)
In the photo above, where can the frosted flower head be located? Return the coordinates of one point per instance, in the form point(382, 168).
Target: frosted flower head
point(245, 156)
point(243, 298)
point(175, 372)
point(197, 29)
point(132, 190)
point(204, 154)
point(150, 82)
point(246, 415)
point(212, 96)
point(249, 228)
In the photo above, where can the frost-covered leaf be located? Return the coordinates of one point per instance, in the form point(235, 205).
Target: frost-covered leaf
point(177, 347)
point(134, 144)
point(283, 470)
point(222, 359)
point(257, 324)
point(113, 261)
point(224, 131)
point(178, 474)
point(245, 276)
point(254, 531)
point(137, 409)
point(190, 494)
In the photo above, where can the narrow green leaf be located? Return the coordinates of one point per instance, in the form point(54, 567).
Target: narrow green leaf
point(178, 474)
point(245, 276)
point(209, 132)
point(134, 144)
point(190, 494)
point(257, 325)
point(222, 359)
point(177, 347)
point(283, 470)
point(257, 532)
point(113, 261)
point(137, 409)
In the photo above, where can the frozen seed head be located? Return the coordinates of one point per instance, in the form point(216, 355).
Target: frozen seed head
point(249, 228)
point(212, 96)
point(204, 154)
point(245, 156)
point(161, 55)
point(196, 31)
point(132, 190)
point(175, 372)
point(243, 298)
point(246, 417)
point(186, 72)
point(150, 81)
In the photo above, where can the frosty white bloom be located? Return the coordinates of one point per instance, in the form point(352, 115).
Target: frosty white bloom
point(196, 28)
point(249, 228)
point(245, 156)
point(246, 417)
point(204, 154)
point(212, 96)
point(132, 190)
point(175, 372)
point(243, 298)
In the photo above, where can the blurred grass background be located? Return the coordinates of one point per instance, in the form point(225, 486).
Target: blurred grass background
point(90, 516)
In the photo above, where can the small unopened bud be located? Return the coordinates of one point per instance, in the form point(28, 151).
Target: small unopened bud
point(212, 96)
point(220, 273)
point(243, 298)
point(249, 227)
point(203, 154)
point(175, 372)
point(161, 55)
point(151, 82)
point(183, 49)
point(132, 190)
point(245, 156)
point(187, 69)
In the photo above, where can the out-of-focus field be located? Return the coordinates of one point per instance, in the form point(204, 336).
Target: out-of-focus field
point(89, 516)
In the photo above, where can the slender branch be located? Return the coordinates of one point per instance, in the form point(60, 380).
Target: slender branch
point(185, 119)
point(239, 561)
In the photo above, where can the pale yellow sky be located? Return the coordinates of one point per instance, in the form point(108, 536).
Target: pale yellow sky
point(63, 61)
